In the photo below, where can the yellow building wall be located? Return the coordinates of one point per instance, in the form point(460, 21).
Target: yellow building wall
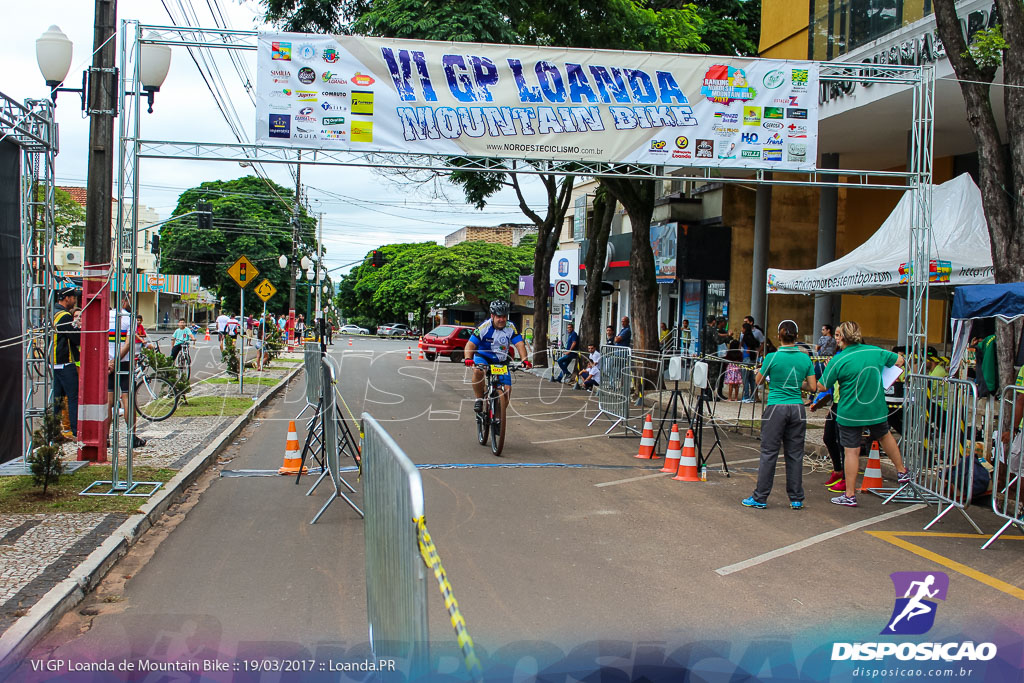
point(783, 29)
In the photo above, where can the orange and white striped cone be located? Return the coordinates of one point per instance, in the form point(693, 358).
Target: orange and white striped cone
point(873, 470)
point(688, 460)
point(292, 456)
point(421, 355)
point(350, 341)
point(673, 453)
point(647, 442)
point(408, 354)
point(207, 337)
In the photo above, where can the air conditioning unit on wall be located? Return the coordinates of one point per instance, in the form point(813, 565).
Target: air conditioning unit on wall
point(68, 258)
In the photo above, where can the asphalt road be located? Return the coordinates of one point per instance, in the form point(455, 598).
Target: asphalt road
point(545, 561)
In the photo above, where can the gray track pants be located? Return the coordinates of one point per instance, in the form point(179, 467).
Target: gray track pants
point(786, 426)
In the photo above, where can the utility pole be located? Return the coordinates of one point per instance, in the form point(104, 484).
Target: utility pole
point(102, 101)
point(293, 264)
point(319, 283)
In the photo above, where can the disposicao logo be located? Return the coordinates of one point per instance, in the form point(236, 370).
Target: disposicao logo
point(914, 613)
point(363, 80)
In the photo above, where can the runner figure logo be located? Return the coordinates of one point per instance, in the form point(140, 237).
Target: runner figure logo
point(916, 593)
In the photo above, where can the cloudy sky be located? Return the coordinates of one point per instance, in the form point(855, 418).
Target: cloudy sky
point(362, 208)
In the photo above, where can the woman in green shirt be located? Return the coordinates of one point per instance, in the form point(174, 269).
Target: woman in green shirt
point(784, 422)
point(858, 370)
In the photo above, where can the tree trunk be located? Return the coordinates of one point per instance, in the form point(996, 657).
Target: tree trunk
point(637, 197)
point(998, 171)
point(600, 229)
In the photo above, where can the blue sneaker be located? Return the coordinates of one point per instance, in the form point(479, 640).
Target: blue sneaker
point(903, 477)
point(751, 503)
point(796, 504)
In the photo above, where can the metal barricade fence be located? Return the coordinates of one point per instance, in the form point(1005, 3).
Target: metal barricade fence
point(938, 444)
point(1007, 479)
point(613, 389)
point(311, 363)
point(396, 578)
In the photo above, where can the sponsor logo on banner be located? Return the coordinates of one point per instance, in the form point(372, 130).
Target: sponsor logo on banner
point(796, 114)
point(280, 126)
point(305, 52)
point(658, 146)
point(362, 102)
point(306, 75)
point(303, 134)
point(726, 117)
point(773, 112)
point(682, 142)
point(306, 111)
point(724, 131)
point(362, 131)
point(327, 106)
point(795, 131)
point(362, 80)
point(333, 121)
point(790, 100)
point(306, 95)
point(305, 117)
point(705, 149)
point(332, 78)
point(279, 107)
point(676, 154)
point(729, 153)
point(283, 92)
point(335, 93)
point(772, 154)
point(749, 138)
point(775, 139)
point(796, 151)
point(751, 116)
point(773, 125)
point(775, 79)
point(281, 75)
point(799, 79)
point(725, 84)
point(750, 154)
point(331, 55)
point(281, 52)
point(281, 80)
point(327, 134)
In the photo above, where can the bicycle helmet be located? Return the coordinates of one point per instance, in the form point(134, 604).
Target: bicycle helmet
point(499, 307)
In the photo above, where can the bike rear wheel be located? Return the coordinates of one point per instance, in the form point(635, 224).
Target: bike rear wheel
point(183, 363)
point(497, 411)
point(155, 398)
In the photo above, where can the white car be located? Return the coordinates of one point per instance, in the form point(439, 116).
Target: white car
point(352, 329)
point(394, 330)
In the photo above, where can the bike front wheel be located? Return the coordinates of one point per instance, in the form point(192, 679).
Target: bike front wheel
point(482, 426)
point(155, 398)
point(497, 412)
point(183, 364)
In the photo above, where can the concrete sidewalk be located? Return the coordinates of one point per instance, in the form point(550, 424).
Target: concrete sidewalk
point(50, 561)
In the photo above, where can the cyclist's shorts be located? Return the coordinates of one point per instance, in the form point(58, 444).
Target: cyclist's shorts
point(124, 380)
point(505, 379)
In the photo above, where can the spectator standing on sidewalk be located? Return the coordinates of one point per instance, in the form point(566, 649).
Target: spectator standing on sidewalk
point(572, 347)
point(609, 336)
point(119, 362)
point(858, 370)
point(625, 335)
point(751, 351)
point(67, 339)
point(784, 421)
point(222, 322)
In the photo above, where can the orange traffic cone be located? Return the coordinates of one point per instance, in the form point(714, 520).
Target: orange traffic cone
point(207, 337)
point(350, 341)
point(673, 453)
point(647, 442)
point(421, 355)
point(292, 456)
point(873, 471)
point(408, 354)
point(688, 461)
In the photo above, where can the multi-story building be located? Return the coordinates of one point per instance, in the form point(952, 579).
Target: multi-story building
point(510, 234)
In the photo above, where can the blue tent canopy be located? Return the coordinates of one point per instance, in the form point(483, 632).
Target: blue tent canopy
point(989, 301)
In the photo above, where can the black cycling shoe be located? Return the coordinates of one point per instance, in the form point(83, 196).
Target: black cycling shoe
point(138, 442)
point(478, 406)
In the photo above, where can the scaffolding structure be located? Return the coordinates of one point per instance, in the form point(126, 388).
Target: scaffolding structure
point(31, 126)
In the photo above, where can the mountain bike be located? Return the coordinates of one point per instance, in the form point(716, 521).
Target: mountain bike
point(156, 398)
point(183, 361)
point(491, 421)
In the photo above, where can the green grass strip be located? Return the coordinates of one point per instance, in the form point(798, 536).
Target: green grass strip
point(18, 495)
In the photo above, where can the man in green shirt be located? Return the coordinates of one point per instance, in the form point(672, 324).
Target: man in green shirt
point(858, 370)
point(784, 422)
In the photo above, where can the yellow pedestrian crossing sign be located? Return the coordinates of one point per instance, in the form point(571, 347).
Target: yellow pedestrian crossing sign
point(265, 290)
point(243, 272)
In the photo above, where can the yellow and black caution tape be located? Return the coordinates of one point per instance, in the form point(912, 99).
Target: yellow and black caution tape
point(433, 561)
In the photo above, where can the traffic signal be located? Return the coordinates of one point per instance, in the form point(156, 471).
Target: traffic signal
point(377, 259)
point(205, 217)
point(242, 271)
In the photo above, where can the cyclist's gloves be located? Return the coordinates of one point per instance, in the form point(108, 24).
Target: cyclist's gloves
point(527, 364)
point(468, 362)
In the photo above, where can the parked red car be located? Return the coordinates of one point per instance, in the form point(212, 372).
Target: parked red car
point(446, 340)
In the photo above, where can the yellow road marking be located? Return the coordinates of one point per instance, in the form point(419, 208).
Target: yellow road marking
point(893, 538)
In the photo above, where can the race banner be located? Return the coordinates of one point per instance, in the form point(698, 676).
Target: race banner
point(425, 97)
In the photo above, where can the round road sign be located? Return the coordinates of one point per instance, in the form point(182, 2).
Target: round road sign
point(562, 287)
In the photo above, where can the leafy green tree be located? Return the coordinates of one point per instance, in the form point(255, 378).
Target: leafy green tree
point(729, 27)
point(479, 271)
point(397, 287)
point(251, 217)
point(68, 217)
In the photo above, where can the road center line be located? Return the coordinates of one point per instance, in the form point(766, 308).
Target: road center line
point(624, 481)
point(813, 540)
point(569, 438)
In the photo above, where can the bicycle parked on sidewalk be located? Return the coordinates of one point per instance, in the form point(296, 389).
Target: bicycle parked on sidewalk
point(156, 397)
point(491, 421)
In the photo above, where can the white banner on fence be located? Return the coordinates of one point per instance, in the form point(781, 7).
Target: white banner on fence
point(425, 97)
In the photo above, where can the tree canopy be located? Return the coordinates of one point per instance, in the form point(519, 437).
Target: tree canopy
point(251, 217)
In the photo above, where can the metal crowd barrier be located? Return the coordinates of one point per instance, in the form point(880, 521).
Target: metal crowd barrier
point(1007, 482)
point(938, 443)
point(613, 390)
point(311, 362)
point(396, 578)
point(335, 438)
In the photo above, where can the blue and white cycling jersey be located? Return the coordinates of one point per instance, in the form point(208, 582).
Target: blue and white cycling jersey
point(493, 344)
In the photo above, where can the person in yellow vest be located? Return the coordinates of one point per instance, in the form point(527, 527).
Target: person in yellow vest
point(64, 359)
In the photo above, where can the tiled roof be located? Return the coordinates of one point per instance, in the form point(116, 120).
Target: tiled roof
point(77, 193)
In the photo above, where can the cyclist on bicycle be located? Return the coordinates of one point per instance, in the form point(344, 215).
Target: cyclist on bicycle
point(182, 336)
point(490, 344)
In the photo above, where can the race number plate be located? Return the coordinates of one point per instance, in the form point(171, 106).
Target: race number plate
point(499, 370)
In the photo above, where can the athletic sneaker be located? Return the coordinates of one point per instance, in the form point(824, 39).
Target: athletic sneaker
point(751, 503)
point(903, 477)
point(838, 486)
point(849, 501)
point(832, 478)
point(478, 406)
point(796, 504)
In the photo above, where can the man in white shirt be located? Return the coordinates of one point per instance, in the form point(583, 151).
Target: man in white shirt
point(232, 328)
point(593, 354)
point(222, 321)
point(119, 345)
